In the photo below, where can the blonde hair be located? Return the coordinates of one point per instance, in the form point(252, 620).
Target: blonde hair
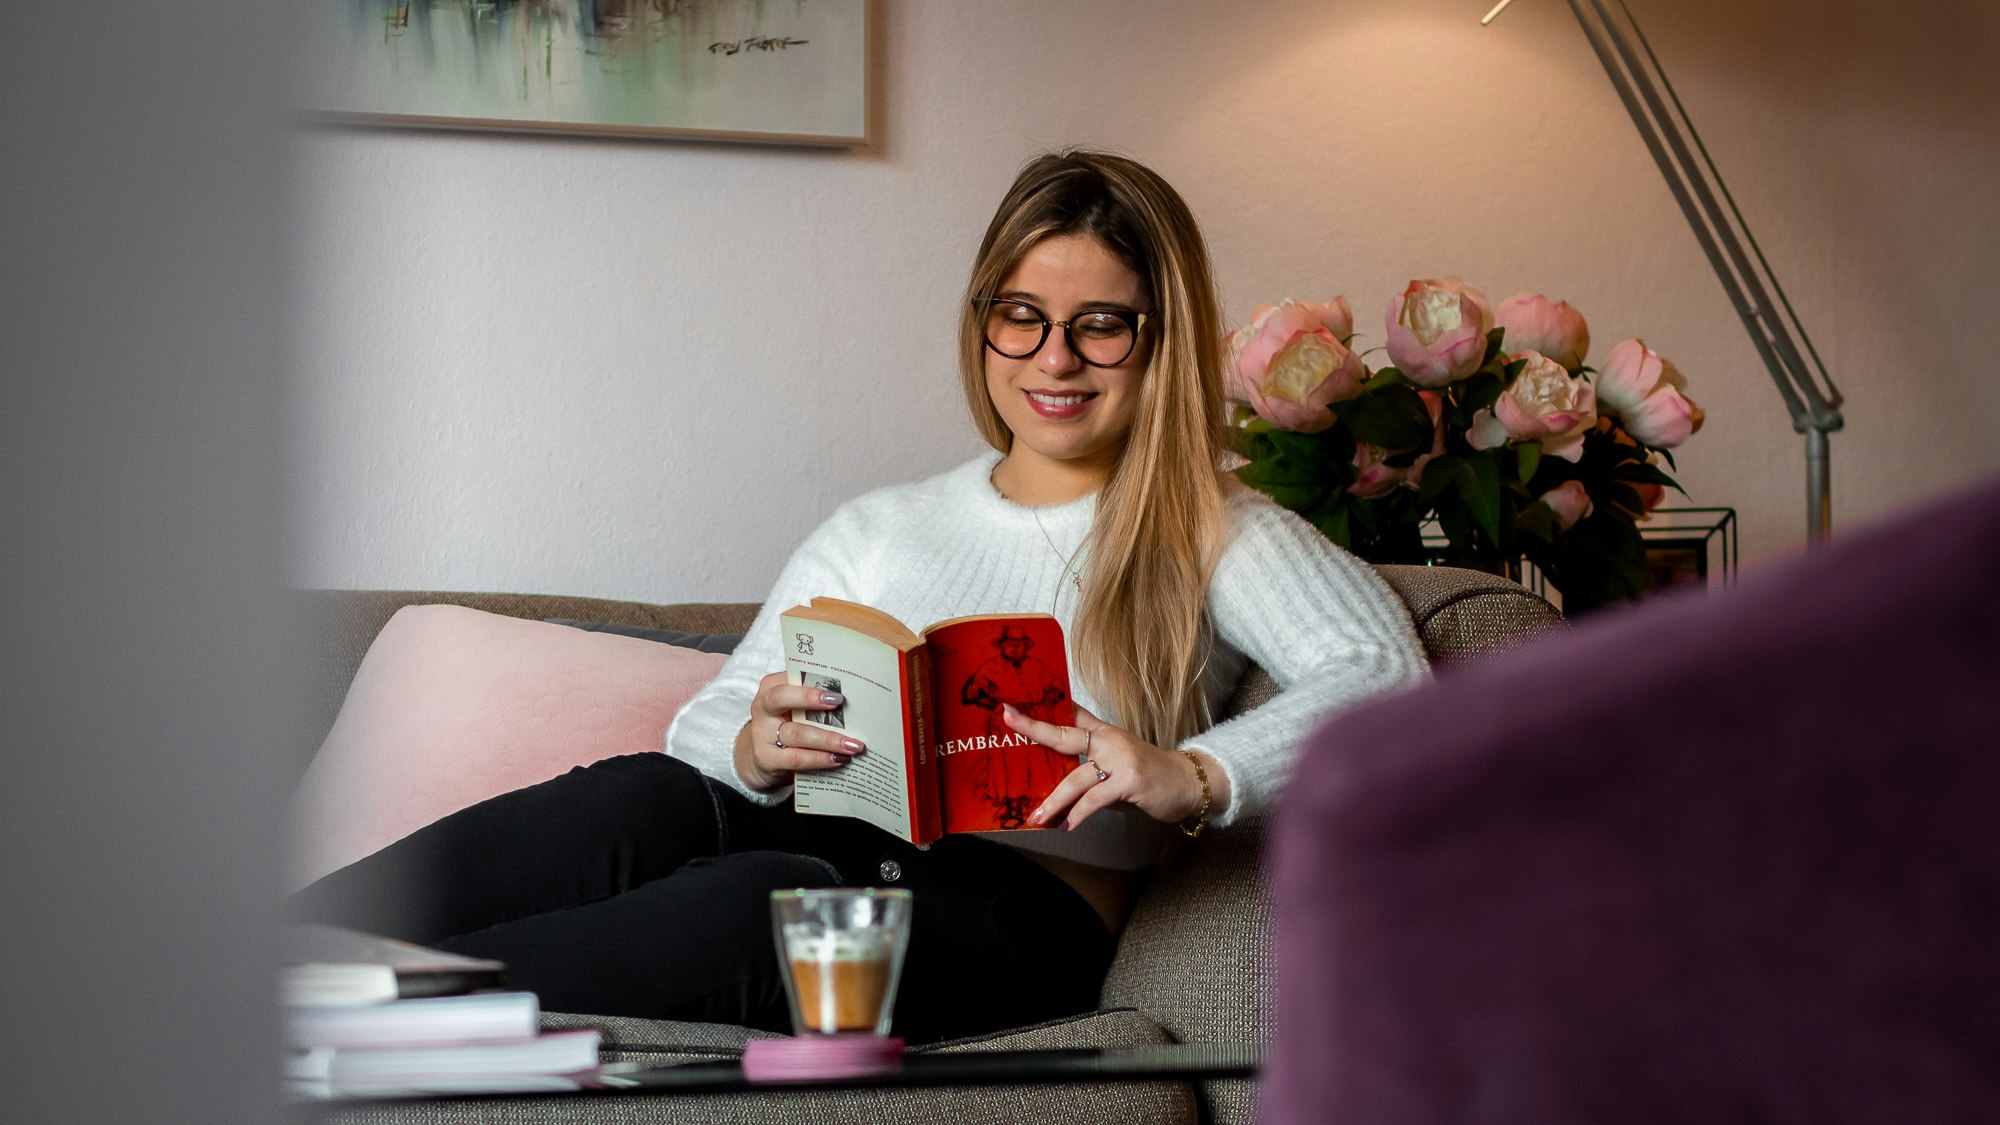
point(1142, 635)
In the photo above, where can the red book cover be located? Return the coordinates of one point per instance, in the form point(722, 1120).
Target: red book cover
point(991, 778)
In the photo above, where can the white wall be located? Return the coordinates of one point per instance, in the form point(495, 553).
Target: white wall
point(644, 370)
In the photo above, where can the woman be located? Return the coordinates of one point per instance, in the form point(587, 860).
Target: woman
point(1090, 352)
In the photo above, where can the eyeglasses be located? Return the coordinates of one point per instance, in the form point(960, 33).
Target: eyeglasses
point(1098, 337)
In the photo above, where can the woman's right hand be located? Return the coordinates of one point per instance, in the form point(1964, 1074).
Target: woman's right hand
point(761, 762)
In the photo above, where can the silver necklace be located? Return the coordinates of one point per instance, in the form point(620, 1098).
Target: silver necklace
point(1075, 579)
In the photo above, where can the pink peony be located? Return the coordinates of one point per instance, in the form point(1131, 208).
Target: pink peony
point(1640, 388)
point(1536, 324)
point(1373, 480)
point(1569, 502)
point(1545, 404)
point(1292, 361)
point(1437, 330)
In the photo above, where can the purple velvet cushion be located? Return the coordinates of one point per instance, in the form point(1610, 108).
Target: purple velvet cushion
point(1724, 857)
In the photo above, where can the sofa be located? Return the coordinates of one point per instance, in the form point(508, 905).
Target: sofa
point(1193, 964)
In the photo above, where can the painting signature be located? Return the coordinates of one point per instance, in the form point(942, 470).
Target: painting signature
point(755, 43)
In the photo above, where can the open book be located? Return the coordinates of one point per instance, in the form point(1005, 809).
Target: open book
point(940, 757)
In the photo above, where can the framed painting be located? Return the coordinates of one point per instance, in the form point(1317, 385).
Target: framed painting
point(783, 71)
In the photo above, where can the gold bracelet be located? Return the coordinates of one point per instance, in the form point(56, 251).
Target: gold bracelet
point(1200, 818)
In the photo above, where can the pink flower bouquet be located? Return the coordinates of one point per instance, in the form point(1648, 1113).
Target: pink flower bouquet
point(1489, 422)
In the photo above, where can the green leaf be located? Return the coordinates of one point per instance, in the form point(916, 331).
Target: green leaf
point(1599, 561)
point(1537, 520)
point(1293, 496)
point(1527, 459)
point(1482, 496)
point(1365, 523)
point(1441, 474)
point(1388, 377)
point(1392, 416)
point(1295, 446)
point(1480, 393)
point(1647, 474)
point(1297, 470)
point(1457, 527)
point(1493, 339)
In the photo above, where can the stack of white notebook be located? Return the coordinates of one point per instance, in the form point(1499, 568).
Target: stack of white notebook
point(347, 1038)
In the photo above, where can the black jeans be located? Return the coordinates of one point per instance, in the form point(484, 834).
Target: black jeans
point(637, 886)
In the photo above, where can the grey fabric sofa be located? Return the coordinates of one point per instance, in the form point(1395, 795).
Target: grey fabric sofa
point(1193, 965)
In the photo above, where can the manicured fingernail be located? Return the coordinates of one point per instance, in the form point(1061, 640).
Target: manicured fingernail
point(830, 698)
point(1038, 816)
point(853, 745)
point(834, 759)
point(1011, 710)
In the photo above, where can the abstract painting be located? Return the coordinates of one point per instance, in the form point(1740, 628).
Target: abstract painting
point(792, 71)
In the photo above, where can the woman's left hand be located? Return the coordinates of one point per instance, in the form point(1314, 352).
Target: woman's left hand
point(1160, 783)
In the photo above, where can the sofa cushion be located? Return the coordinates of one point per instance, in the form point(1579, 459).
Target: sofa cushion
point(452, 706)
point(645, 1040)
point(347, 622)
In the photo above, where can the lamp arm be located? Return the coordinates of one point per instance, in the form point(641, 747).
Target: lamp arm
point(1794, 364)
point(1815, 413)
point(1828, 405)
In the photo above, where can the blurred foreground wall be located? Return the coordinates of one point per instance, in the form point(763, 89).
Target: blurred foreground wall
point(142, 391)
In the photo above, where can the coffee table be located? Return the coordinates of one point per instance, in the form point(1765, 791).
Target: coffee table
point(920, 1068)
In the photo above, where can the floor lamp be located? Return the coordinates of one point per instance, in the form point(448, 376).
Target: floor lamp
point(1780, 339)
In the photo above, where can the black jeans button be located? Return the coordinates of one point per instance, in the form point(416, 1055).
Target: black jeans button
point(890, 871)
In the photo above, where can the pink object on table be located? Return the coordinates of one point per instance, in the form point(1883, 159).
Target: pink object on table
point(821, 1057)
point(453, 705)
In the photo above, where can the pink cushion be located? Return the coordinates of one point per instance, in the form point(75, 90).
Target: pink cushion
point(452, 706)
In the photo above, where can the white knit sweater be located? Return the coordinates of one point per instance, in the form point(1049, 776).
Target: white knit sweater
point(1326, 628)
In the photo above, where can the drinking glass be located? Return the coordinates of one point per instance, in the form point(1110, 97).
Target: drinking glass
point(843, 953)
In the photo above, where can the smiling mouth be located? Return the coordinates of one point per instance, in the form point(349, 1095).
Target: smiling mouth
point(1061, 400)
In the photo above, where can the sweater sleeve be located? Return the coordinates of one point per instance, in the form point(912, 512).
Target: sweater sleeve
point(1323, 624)
point(703, 732)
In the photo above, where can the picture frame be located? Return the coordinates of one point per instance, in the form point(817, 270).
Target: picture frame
point(1690, 546)
point(797, 72)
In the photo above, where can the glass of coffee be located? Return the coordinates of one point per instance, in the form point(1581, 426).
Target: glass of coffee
point(843, 949)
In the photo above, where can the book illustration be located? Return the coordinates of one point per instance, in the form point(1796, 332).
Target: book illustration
point(1012, 676)
point(1005, 782)
point(993, 776)
point(836, 718)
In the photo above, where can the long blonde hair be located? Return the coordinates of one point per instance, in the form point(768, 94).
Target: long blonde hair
point(1142, 635)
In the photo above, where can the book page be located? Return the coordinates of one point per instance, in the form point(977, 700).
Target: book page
point(991, 777)
point(873, 785)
